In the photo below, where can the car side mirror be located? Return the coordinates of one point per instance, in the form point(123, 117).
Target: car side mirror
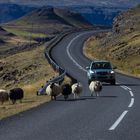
point(87, 68)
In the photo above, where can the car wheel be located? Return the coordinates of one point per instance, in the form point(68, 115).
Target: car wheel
point(113, 82)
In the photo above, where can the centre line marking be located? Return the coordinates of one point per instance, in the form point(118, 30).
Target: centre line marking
point(127, 87)
point(68, 52)
point(131, 93)
point(131, 103)
point(118, 120)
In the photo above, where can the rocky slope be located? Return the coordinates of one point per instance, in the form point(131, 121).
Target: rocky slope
point(122, 45)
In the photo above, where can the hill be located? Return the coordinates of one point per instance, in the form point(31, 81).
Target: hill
point(53, 18)
point(122, 45)
point(10, 12)
point(98, 15)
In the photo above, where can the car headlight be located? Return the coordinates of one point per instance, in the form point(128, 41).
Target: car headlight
point(92, 72)
point(112, 72)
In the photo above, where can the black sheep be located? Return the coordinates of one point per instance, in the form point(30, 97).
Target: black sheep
point(66, 90)
point(16, 94)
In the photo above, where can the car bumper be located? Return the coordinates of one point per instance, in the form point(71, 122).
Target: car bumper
point(106, 78)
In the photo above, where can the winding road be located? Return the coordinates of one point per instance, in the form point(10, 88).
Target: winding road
point(114, 115)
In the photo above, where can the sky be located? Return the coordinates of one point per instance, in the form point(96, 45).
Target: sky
point(119, 3)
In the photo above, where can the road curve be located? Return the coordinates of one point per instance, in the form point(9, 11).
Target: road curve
point(113, 116)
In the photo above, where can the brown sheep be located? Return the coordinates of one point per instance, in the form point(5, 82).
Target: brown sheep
point(53, 90)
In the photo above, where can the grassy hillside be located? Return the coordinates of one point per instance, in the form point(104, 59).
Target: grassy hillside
point(29, 70)
point(122, 45)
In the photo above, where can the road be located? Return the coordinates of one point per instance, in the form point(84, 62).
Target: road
point(114, 115)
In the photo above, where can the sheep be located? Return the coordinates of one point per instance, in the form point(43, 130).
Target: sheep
point(53, 90)
point(66, 90)
point(95, 87)
point(76, 90)
point(16, 94)
point(3, 96)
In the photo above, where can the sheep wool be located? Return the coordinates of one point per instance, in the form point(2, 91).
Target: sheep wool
point(76, 90)
point(95, 87)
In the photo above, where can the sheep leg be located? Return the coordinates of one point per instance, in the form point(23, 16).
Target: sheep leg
point(51, 97)
point(78, 96)
point(66, 97)
point(96, 94)
point(20, 100)
point(55, 98)
point(74, 95)
point(2, 102)
point(13, 101)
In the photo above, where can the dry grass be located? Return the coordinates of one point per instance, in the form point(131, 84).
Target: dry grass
point(9, 109)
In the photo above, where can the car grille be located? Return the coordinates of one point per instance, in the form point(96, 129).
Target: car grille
point(102, 73)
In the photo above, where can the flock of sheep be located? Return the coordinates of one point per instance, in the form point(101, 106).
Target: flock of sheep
point(53, 90)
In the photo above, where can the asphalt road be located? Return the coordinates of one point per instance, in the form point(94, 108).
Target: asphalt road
point(114, 115)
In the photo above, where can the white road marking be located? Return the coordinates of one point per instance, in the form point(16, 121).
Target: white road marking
point(127, 87)
point(123, 87)
point(125, 112)
point(131, 93)
point(68, 52)
point(118, 120)
point(131, 103)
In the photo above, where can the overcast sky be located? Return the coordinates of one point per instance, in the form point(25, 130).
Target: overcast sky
point(121, 3)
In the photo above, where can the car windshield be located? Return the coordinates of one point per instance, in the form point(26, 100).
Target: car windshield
point(101, 65)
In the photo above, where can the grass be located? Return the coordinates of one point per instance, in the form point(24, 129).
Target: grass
point(26, 34)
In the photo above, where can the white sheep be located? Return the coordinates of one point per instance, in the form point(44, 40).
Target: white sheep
point(53, 90)
point(76, 90)
point(3, 96)
point(95, 87)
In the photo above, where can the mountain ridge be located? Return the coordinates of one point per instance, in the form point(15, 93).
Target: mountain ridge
point(10, 12)
point(52, 16)
point(110, 3)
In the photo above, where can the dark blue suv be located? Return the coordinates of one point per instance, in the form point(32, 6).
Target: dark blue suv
point(102, 71)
